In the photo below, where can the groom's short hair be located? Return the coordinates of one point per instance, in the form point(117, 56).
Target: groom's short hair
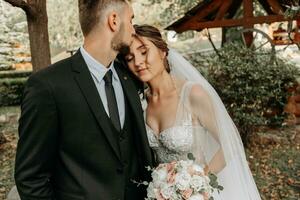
point(91, 12)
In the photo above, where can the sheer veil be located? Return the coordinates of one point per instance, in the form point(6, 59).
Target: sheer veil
point(235, 177)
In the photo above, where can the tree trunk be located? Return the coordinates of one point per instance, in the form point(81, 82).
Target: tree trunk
point(37, 21)
point(38, 35)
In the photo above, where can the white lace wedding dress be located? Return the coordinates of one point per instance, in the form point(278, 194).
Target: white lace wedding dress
point(187, 135)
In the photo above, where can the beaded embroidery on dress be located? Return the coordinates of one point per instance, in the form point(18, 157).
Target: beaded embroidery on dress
point(174, 143)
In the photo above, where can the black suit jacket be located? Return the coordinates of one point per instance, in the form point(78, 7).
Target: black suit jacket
point(66, 149)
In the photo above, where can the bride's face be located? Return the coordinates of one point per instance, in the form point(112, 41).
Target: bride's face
point(145, 60)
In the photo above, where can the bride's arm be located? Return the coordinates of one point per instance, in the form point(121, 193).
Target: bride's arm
point(202, 108)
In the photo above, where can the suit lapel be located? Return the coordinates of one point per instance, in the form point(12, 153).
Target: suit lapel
point(134, 102)
point(89, 90)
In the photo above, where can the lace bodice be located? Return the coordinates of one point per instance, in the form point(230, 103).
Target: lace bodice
point(173, 143)
point(176, 142)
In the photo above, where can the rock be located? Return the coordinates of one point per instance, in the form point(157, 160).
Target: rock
point(266, 139)
point(3, 119)
point(13, 117)
point(9, 118)
point(23, 59)
point(5, 50)
point(4, 67)
point(20, 27)
point(13, 194)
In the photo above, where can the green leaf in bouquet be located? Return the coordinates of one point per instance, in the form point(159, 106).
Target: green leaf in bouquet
point(191, 156)
point(139, 183)
point(214, 184)
point(148, 168)
point(220, 187)
point(212, 177)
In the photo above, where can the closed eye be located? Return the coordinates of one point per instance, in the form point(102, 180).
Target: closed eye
point(144, 52)
point(128, 58)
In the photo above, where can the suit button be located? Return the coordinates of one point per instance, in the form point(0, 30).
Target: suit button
point(121, 138)
point(120, 170)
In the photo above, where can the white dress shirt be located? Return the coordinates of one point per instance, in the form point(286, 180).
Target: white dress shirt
point(98, 71)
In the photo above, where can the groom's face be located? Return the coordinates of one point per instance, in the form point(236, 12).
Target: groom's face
point(124, 37)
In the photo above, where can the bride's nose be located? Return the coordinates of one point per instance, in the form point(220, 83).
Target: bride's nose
point(139, 61)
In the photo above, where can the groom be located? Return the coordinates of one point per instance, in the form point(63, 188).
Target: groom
point(82, 134)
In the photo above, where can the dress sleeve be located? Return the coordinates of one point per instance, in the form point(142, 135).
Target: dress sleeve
point(203, 113)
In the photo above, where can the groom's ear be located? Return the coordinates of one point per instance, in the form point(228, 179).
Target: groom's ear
point(113, 21)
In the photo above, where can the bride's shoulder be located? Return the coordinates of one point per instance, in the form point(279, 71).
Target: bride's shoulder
point(196, 90)
point(197, 94)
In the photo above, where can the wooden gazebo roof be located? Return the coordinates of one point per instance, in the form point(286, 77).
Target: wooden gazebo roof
point(220, 13)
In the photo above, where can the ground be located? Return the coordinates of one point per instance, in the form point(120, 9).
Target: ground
point(273, 155)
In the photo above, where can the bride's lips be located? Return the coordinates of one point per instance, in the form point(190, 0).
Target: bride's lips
point(141, 71)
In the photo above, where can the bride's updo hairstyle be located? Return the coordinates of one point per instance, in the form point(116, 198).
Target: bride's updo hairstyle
point(154, 35)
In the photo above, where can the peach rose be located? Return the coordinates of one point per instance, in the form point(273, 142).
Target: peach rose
point(186, 194)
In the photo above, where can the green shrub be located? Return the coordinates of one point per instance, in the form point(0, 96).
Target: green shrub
point(253, 88)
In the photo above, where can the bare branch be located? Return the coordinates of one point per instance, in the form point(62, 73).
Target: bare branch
point(23, 5)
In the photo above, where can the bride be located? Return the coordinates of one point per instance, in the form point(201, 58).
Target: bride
point(184, 114)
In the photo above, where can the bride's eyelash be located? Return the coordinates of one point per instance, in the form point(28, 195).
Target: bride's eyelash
point(129, 59)
point(144, 50)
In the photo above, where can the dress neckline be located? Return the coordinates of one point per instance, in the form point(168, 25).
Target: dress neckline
point(158, 134)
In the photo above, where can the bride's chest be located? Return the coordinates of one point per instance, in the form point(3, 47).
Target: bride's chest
point(161, 115)
point(178, 138)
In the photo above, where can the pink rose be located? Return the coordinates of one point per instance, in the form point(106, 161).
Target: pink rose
point(206, 195)
point(159, 196)
point(186, 194)
point(171, 177)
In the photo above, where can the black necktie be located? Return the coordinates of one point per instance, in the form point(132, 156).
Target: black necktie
point(111, 101)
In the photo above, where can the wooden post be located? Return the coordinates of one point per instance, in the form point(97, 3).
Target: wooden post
point(248, 13)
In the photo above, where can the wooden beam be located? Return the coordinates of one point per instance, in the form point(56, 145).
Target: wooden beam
point(223, 9)
point(200, 16)
point(214, 5)
point(275, 6)
point(248, 12)
point(230, 22)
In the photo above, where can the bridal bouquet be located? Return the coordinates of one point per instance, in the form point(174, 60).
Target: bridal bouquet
point(181, 180)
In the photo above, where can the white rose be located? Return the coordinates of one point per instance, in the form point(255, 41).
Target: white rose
point(182, 181)
point(196, 197)
point(176, 196)
point(167, 191)
point(151, 191)
point(159, 176)
point(208, 187)
point(183, 165)
point(197, 183)
point(198, 169)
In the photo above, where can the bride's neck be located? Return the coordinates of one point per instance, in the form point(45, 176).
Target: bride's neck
point(161, 84)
